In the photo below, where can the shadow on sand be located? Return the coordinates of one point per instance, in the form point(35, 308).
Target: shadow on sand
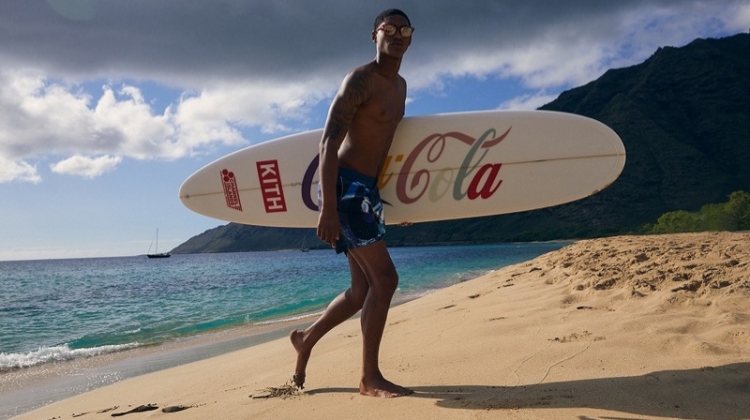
point(709, 393)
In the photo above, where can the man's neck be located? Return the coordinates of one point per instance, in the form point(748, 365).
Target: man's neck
point(387, 66)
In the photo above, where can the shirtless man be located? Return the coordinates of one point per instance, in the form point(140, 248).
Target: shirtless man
point(358, 133)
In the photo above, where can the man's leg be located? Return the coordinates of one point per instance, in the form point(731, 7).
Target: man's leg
point(377, 266)
point(343, 307)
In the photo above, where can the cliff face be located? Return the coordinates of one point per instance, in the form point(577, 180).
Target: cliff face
point(684, 117)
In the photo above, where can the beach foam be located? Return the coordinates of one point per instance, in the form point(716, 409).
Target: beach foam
point(11, 361)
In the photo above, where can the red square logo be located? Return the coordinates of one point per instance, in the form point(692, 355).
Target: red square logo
point(270, 186)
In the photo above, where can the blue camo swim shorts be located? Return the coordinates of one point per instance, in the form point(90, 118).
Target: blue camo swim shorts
point(360, 210)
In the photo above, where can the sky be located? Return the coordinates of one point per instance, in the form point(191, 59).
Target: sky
point(106, 106)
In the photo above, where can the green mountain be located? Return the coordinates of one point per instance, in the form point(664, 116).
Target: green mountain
point(684, 117)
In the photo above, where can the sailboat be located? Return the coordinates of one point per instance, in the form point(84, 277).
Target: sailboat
point(156, 253)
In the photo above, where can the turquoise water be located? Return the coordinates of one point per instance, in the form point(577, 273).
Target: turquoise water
point(55, 310)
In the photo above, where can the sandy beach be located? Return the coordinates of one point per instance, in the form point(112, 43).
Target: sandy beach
point(629, 327)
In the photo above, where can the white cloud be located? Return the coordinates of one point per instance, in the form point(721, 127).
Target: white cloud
point(41, 118)
point(263, 104)
point(562, 53)
point(85, 166)
point(17, 171)
point(740, 18)
point(528, 102)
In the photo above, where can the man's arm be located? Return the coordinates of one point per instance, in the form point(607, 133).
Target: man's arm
point(354, 91)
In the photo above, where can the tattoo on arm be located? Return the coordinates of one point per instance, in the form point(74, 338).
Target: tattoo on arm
point(345, 105)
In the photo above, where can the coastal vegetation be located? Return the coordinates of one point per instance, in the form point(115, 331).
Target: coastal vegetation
point(733, 215)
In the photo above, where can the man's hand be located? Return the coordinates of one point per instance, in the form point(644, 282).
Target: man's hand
point(329, 227)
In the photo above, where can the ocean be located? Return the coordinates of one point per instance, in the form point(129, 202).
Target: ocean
point(69, 326)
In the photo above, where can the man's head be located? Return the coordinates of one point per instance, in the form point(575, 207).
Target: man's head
point(389, 12)
point(392, 33)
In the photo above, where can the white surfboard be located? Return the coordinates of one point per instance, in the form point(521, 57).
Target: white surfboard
point(440, 167)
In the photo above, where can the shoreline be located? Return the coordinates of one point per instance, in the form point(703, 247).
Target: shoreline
point(621, 327)
point(23, 390)
point(26, 389)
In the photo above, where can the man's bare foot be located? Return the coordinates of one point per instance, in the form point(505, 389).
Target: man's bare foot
point(382, 388)
point(303, 355)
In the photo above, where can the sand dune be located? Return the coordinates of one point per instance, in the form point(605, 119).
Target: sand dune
point(631, 327)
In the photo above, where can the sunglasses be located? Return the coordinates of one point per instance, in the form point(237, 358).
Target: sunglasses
point(390, 30)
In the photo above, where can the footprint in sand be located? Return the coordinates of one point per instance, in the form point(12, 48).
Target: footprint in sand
point(151, 407)
point(139, 409)
point(175, 408)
